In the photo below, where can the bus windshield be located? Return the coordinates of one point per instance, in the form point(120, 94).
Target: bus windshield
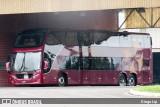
point(29, 40)
point(30, 61)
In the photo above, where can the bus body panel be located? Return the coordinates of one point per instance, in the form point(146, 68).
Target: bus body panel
point(90, 63)
point(86, 77)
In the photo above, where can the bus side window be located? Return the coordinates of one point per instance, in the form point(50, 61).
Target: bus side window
point(66, 63)
point(70, 63)
point(46, 58)
point(102, 63)
point(105, 63)
point(51, 39)
point(97, 64)
point(115, 63)
point(85, 63)
point(75, 63)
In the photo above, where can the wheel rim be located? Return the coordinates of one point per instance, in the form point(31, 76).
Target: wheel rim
point(131, 81)
point(61, 81)
point(122, 81)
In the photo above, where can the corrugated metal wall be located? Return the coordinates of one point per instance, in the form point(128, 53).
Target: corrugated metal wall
point(32, 6)
point(151, 15)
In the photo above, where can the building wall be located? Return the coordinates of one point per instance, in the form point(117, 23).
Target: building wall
point(63, 20)
point(6, 45)
point(34, 6)
point(151, 15)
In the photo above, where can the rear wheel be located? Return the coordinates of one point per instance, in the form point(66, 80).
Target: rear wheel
point(122, 80)
point(132, 80)
point(62, 80)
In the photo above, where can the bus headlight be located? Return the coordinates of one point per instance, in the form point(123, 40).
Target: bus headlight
point(35, 76)
point(13, 76)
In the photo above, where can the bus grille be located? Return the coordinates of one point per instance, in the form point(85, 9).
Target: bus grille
point(21, 76)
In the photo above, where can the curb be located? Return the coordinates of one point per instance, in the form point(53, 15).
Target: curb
point(148, 94)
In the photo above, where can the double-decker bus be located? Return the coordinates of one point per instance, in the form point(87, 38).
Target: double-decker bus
point(80, 57)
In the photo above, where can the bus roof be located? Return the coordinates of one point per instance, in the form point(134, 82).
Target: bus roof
point(28, 31)
point(89, 30)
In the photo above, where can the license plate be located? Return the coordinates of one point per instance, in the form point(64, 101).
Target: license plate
point(23, 82)
point(25, 76)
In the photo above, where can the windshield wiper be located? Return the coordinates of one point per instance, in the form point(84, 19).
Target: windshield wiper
point(35, 70)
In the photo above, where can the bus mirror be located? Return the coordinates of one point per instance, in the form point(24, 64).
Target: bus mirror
point(45, 65)
point(8, 66)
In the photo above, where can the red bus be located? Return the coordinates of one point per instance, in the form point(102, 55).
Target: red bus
point(82, 57)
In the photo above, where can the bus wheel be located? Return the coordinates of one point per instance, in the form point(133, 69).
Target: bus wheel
point(122, 80)
point(132, 81)
point(61, 80)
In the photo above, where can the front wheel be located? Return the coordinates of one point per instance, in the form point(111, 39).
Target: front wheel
point(62, 80)
point(122, 80)
point(132, 81)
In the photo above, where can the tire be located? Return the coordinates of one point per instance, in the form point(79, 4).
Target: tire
point(122, 80)
point(62, 80)
point(132, 80)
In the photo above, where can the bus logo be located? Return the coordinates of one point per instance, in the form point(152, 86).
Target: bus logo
point(6, 101)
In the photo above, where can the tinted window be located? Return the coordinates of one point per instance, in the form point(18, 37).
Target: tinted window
point(29, 40)
point(64, 38)
point(86, 63)
point(105, 63)
point(115, 63)
point(75, 63)
point(76, 38)
point(70, 63)
point(102, 63)
point(96, 63)
point(66, 64)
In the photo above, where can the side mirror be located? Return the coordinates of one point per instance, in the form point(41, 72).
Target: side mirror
point(8, 66)
point(45, 65)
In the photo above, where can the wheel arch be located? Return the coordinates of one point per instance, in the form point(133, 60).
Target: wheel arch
point(125, 75)
point(65, 75)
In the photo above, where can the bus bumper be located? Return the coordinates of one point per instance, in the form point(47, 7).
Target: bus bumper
point(13, 81)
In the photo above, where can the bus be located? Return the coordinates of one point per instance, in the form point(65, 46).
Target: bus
point(80, 57)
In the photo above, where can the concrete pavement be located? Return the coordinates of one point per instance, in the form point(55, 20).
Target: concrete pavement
point(64, 92)
point(68, 92)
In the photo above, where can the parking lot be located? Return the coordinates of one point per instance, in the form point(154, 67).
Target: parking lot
point(68, 92)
